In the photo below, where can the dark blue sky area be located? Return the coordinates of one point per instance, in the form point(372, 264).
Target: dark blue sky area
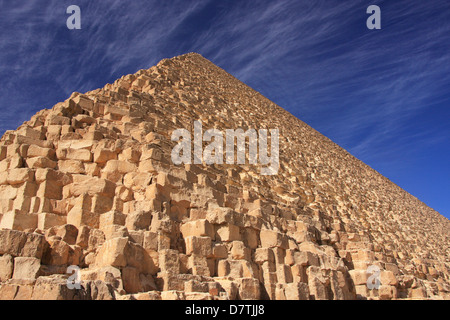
point(381, 94)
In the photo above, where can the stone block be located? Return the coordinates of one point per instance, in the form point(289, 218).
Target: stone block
point(239, 251)
point(249, 289)
point(41, 162)
point(6, 267)
point(71, 166)
point(296, 291)
point(219, 251)
point(57, 254)
point(21, 175)
point(19, 221)
point(198, 228)
point(79, 217)
point(359, 277)
point(112, 253)
point(50, 190)
point(271, 238)
point(27, 268)
point(112, 218)
point(117, 166)
point(83, 155)
point(199, 245)
point(169, 261)
point(48, 220)
point(228, 233)
point(36, 151)
point(131, 280)
point(138, 220)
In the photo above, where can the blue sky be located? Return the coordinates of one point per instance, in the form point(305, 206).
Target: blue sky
point(383, 95)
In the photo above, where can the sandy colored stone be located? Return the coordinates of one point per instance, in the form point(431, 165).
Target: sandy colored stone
point(90, 182)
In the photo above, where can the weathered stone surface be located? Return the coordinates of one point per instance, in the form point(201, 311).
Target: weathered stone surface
point(19, 221)
point(91, 183)
point(138, 220)
point(22, 244)
point(6, 267)
point(26, 268)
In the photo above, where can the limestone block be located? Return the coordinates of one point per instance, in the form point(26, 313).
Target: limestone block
point(45, 174)
point(251, 238)
point(199, 245)
point(296, 291)
point(139, 258)
point(114, 231)
point(271, 238)
point(130, 155)
point(84, 102)
point(93, 186)
point(131, 280)
point(57, 120)
point(234, 269)
point(173, 295)
point(136, 236)
point(249, 289)
point(101, 203)
point(31, 133)
point(228, 232)
point(219, 251)
point(152, 166)
point(112, 218)
point(299, 273)
point(195, 286)
point(48, 220)
point(36, 151)
point(169, 261)
point(83, 155)
point(67, 233)
point(49, 190)
point(138, 220)
point(6, 267)
point(239, 251)
point(21, 175)
point(19, 221)
point(75, 144)
point(262, 255)
point(359, 277)
point(58, 253)
point(41, 162)
point(306, 258)
point(52, 288)
point(26, 268)
point(152, 153)
point(22, 204)
point(3, 152)
point(79, 217)
point(123, 167)
point(284, 274)
point(362, 292)
point(199, 228)
point(71, 166)
point(388, 278)
point(112, 253)
point(136, 181)
point(387, 292)
point(230, 287)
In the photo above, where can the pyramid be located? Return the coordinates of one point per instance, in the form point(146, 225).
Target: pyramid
point(92, 205)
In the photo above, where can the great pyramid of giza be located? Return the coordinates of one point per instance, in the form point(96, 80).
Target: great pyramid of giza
point(92, 205)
